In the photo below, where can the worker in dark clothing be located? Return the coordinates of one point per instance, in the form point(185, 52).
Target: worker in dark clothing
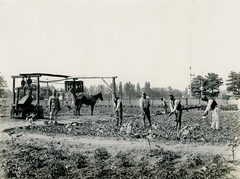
point(176, 108)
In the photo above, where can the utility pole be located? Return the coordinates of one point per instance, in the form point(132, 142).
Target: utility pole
point(190, 86)
point(201, 83)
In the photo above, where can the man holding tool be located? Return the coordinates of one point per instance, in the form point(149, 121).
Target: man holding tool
point(176, 108)
point(118, 109)
point(212, 106)
point(54, 106)
point(144, 105)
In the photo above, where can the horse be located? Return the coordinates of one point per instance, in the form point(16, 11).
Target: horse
point(87, 100)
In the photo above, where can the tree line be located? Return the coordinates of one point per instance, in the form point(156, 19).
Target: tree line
point(209, 85)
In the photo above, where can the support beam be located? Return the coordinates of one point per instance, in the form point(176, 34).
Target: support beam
point(114, 85)
point(113, 90)
point(107, 85)
point(38, 90)
point(13, 89)
point(52, 81)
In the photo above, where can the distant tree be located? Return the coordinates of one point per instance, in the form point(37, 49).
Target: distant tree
point(92, 89)
point(7, 94)
point(156, 92)
point(100, 88)
point(3, 86)
point(147, 88)
point(233, 83)
point(120, 90)
point(170, 90)
point(165, 92)
point(138, 91)
point(212, 84)
point(177, 93)
point(45, 92)
point(129, 90)
point(185, 92)
point(196, 85)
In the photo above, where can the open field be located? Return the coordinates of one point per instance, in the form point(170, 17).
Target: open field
point(93, 147)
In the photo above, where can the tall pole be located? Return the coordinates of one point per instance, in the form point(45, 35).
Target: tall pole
point(113, 89)
point(14, 93)
point(201, 88)
point(47, 90)
point(190, 86)
point(38, 90)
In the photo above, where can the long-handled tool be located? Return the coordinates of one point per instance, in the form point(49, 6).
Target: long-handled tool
point(61, 110)
point(168, 116)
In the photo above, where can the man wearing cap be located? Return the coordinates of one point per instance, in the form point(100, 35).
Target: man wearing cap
point(176, 108)
point(118, 109)
point(212, 106)
point(144, 103)
point(54, 105)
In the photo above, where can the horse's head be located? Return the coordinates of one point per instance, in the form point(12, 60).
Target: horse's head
point(99, 95)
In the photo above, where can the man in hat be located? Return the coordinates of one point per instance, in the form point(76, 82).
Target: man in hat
point(212, 106)
point(144, 103)
point(176, 108)
point(54, 106)
point(118, 109)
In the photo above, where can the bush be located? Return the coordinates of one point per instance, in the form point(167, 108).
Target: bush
point(82, 161)
point(101, 154)
point(229, 107)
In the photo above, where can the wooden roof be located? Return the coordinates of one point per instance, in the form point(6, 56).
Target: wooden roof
point(39, 75)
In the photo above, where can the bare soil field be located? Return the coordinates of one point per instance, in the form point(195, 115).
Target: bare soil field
point(93, 147)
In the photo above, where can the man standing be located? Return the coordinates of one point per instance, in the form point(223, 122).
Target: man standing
point(54, 106)
point(164, 105)
point(176, 108)
point(118, 109)
point(144, 105)
point(212, 106)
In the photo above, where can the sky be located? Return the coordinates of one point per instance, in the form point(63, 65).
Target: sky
point(137, 41)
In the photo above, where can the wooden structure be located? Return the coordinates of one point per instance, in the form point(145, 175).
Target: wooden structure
point(112, 89)
point(21, 107)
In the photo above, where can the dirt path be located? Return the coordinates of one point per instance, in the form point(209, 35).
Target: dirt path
point(113, 145)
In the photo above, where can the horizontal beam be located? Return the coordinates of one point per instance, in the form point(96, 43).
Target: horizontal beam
point(93, 77)
point(75, 78)
point(39, 75)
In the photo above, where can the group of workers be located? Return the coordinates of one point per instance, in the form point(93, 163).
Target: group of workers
point(175, 108)
point(144, 103)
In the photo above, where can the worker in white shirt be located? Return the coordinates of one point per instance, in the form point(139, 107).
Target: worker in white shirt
point(144, 103)
point(176, 108)
point(54, 106)
point(212, 106)
point(118, 109)
point(164, 105)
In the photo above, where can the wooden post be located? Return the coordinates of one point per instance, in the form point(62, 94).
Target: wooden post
point(13, 88)
point(17, 98)
point(114, 85)
point(37, 92)
point(113, 90)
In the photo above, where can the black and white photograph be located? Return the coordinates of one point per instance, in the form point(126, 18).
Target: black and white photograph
point(119, 89)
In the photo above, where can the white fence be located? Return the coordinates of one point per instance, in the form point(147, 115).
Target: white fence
point(135, 102)
point(184, 101)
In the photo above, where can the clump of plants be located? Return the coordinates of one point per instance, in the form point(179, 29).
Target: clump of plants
point(126, 159)
point(101, 154)
point(82, 161)
point(57, 169)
